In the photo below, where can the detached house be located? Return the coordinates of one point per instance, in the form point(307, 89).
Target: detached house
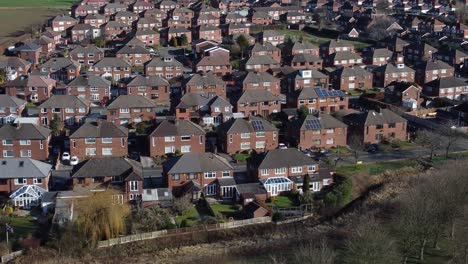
point(127, 109)
point(181, 136)
point(32, 88)
point(69, 109)
point(110, 67)
point(99, 140)
point(25, 141)
point(373, 127)
point(317, 132)
point(92, 88)
point(237, 135)
point(11, 108)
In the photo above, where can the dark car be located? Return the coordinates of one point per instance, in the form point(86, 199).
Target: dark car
point(373, 148)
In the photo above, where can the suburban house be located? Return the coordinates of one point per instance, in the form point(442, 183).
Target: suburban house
point(255, 133)
point(25, 141)
point(24, 180)
point(304, 48)
point(99, 139)
point(407, 95)
point(86, 55)
point(321, 100)
point(110, 67)
point(414, 52)
point(449, 87)
point(148, 36)
point(69, 109)
point(373, 127)
point(29, 52)
point(11, 108)
point(261, 81)
point(206, 109)
point(276, 167)
point(207, 171)
point(350, 78)
point(431, 70)
point(31, 88)
point(218, 65)
point(60, 69)
point(134, 55)
point(261, 63)
point(14, 66)
point(333, 46)
point(272, 36)
point(389, 73)
point(62, 23)
point(90, 87)
point(127, 109)
point(267, 49)
point(306, 61)
point(317, 132)
point(166, 67)
point(307, 79)
point(343, 58)
point(207, 83)
point(151, 87)
point(258, 102)
point(180, 135)
point(379, 57)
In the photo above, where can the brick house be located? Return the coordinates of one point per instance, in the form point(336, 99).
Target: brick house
point(86, 55)
point(166, 67)
point(431, 70)
point(175, 32)
point(266, 50)
point(62, 23)
point(414, 52)
point(180, 22)
point(261, 63)
point(140, 6)
point(333, 46)
point(11, 108)
point(14, 66)
point(272, 36)
point(181, 136)
point(396, 44)
point(207, 19)
point(115, 29)
point(81, 11)
point(317, 132)
point(92, 88)
point(239, 134)
point(84, 32)
point(134, 55)
point(147, 23)
point(218, 65)
point(152, 87)
point(32, 88)
point(205, 171)
point(70, 110)
point(126, 17)
point(449, 87)
point(321, 100)
point(60, 69)
point(148, 36)
point(407, 95)
point(261, 18)
point(24, 181)
point(47, 44)
point(261, 81)
point(206, 109)
point(293, 18)
point(101, 139)
point(258, 102)
point(234, 18)
point(29, 51)
point(95, 20)
point(304, 48)
point(167, 5)
point(208, 10)
point(25, 141)
point(388, 73)
point(127, 109)
point(306, 62)
point(379, 57)
point(112, 8)
point(208, 32)
point(346, 79)
point(111, 67)
point(306, 79)
point(183, 12)
point(237, 28)
point(373, 127)
point(343, 58)
point(206, 84)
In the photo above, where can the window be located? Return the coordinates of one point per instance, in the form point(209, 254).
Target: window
point(7, 142)
point(210, 174)
point(21, 181)
point(116, 179)
point(330, 141)
point(90, 152)
point(391, 125)
point(25, 153)
point(379, 126)
point(69, 110)
point(94, 97)
point(41, 144)
point(185, 138)
point(296, 169)
point(107, 151)
point(169, 149)
point(133, 186)
point(330, 131)
point(280, 170)
point(274, 135)
point(90, 140)
point(264, 172)
point(245, 135)
point(201, 139)
point(186, 149)
point(192, 176)
point(175, 177)
point(124, 110)
point(260, 144)
point(316, 132)
point(226, 174)
point(169, 139)
point(106, 140)
point(37, 180)
point(81, 110)
point(260, 134)
point(311, 168)
point(245, 145)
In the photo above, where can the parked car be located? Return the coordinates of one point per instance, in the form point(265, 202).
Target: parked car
point(308, 152)
point(134, 155)
point(373, 148)
point(65, 156)
point(282, 146)
point(74, 160)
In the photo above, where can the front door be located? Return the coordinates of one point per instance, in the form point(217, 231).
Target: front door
point(274, 190)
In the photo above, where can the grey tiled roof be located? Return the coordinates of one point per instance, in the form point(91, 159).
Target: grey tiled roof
point(103, 167)
point(240, 125)
point(250, 96)
point(279, 158)
point(90, 49)
point(266, 47)
point(89, 81)
point(111, 62)
point(131, 101)
point(205, 80)
point(31, 81)
point(151, 81)
point(259, 77)
point(255, 60)
point(305, 57)
point(390, 68)
point(303, 46)
point(325, 120)
point(159, 62)
point(133, 50)
point(345, 55)
point(177, 128)
point(447, 82)
point(349, 72)
point(435, 65)
point(12, 168)
point(24, 131)
point(102, 129)
point(383, 117)
point(60, 63)
point(196, 163)
point(10, 101)
point(65, 101)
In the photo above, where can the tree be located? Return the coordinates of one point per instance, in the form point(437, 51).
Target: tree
point(306, 183)
point(100, 41)
point(3, 77)
point(302, 112)
point(101, 216)
point(173, 42)
point(451, 136)
point(428, 140)
point(243, 43)
point(151, 219)
point(378, 28)
point(183, 40)
point(182, 204)
point(382, 5)
point(315, 254)
point(55, 125)
point(370, 243)
point(356, 142)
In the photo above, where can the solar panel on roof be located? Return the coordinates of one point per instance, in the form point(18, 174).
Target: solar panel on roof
point(258, 125)
point(312, 124)
point(325, 93)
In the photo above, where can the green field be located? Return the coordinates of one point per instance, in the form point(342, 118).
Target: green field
point(36, 3)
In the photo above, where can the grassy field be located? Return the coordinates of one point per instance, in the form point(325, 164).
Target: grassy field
point(295, 35)
point(15, 22)
point(376, 168)
point(282, 202)
point(36, 3)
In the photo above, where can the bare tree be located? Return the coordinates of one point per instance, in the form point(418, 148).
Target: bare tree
point(428, 140)
point(450, 134)
point(356, 142)
point(315, 254)
point(182, 204)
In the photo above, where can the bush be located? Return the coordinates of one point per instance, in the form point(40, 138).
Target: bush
point(341, 193)
point(276, 217)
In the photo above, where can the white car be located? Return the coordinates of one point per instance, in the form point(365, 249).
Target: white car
point(65, 156)
point(282, 146)
point(74, 160)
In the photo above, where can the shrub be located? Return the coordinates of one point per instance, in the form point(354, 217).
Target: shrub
point(276, 217)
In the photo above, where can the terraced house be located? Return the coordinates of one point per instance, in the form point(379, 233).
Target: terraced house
point(99, 139)
point(25, 141)
point(181, 136)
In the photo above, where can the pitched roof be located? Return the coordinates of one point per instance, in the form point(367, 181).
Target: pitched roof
point(303, 46)
point(111, 62)
point(434, 65)
point(323, 121)
point(90, 49)
point(151, 81)
point(262, 59)
point(60, 63)
point(31, 81)
point(89, 81)
point(383, 117)
point(349, 72)
point(197, 163)
point(177, 128)
point(447, 82)
point(249, 96)
point(114, 166)
point(162, 62)
point(10, 101)
point(102, 129)
point(131, 101)
point(279, 158)
point(213, 61)
point(309, 93)
point(267, 46)
point(259, 77)
point(241, 125)
point(305, 57)
point(65, 101)
point(133, 50)
point(205, 80)
point(24, 131)
point(23, 168)
point(390, 68)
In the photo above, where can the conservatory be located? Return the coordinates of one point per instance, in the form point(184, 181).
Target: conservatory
point(277, 185)
point(27, 196)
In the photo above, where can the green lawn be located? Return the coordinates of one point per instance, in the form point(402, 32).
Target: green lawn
point(36, 3)
point(22, 226)
point(342, 150)
point(226, 210)
point(191, 217)
point(376, 168)
point(240, 156)
point(282, 202)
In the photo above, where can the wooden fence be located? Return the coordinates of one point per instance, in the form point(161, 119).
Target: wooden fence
point(185, 230)
point(11, 256)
